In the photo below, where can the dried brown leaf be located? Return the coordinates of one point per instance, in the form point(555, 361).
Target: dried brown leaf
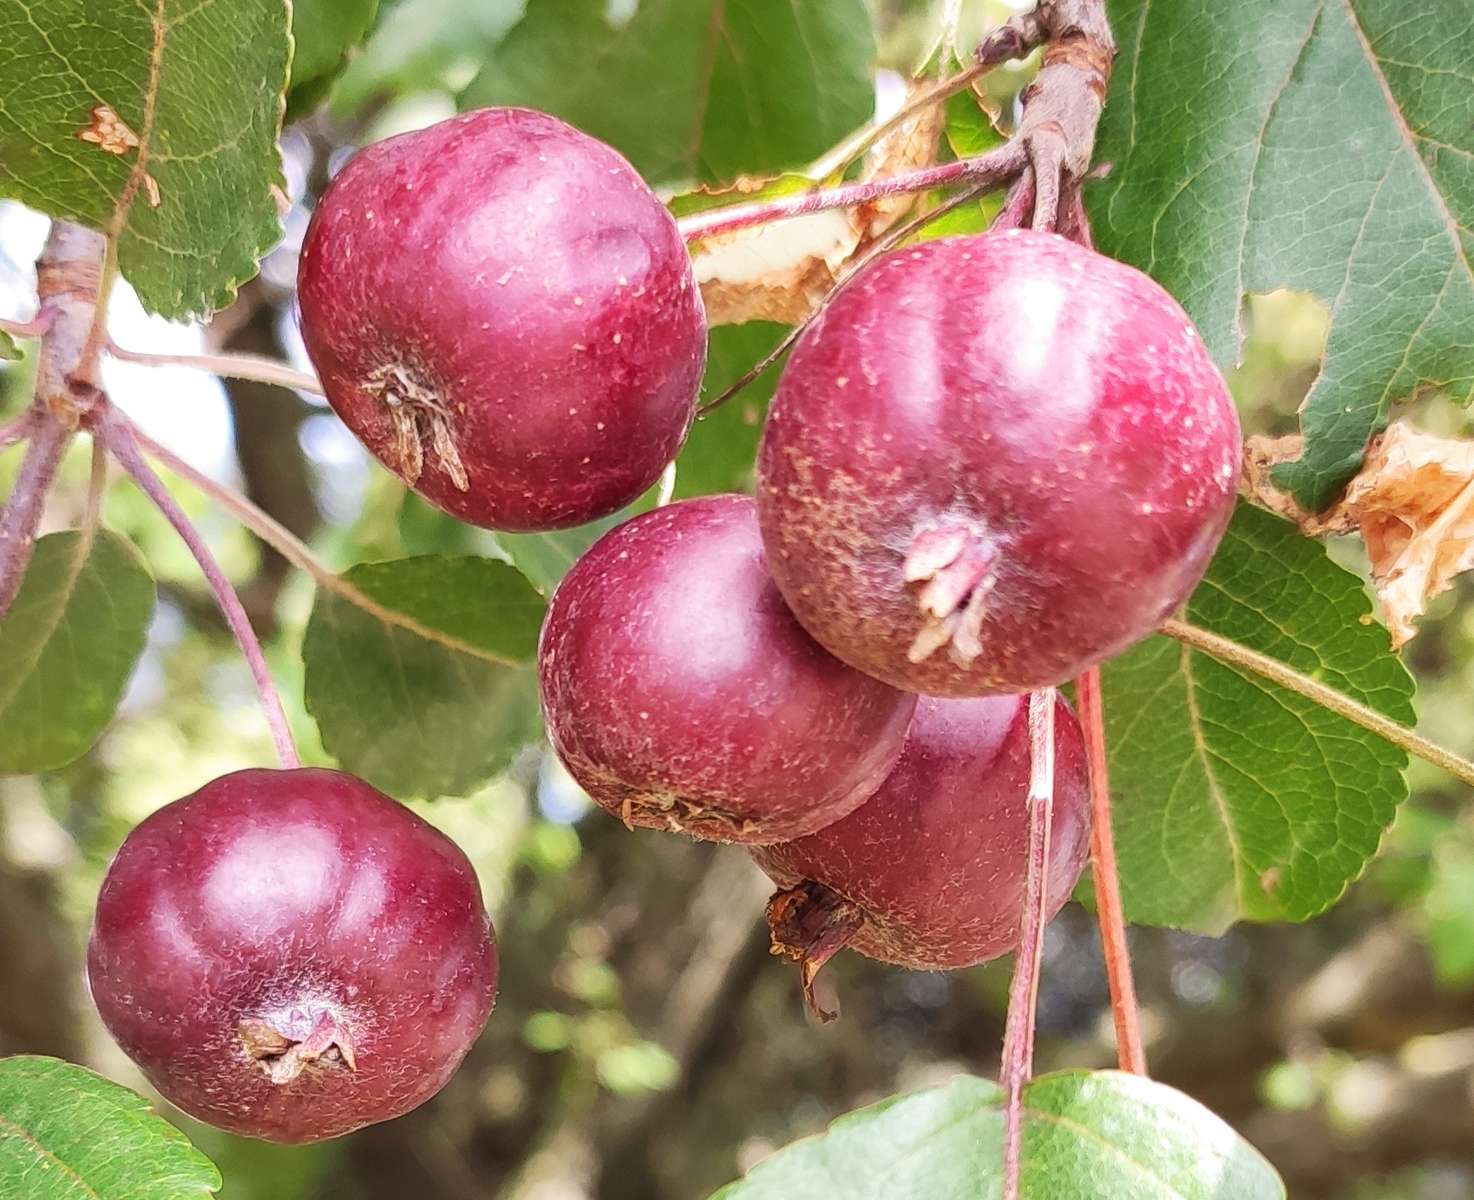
point(1413, 503)
point(781, 272)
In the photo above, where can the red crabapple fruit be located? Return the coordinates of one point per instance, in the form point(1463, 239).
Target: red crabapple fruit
point(291, 955)
point(994, 461)
point(929, 872)
point(681, 694)
point(505, 315)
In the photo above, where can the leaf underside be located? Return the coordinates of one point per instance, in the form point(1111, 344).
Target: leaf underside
point(413, 715)
point(68, 646)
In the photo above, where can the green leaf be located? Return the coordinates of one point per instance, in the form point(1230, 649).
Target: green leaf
point(433, 711)
point(1328, 149)
point(323, 33)
point(719, 454)
point(9, 351)
point(66, 1134)
point(1100, 1134)
point(544, 558)
point(199, 86)
point(67, 647)
point(705, 89)
point(419, 43)
point(1235, 798)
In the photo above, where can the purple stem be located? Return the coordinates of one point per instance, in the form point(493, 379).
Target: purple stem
point(117, 436)
point(27, 501)
point(18, 428)
point(994, 167)
point(1023, 993)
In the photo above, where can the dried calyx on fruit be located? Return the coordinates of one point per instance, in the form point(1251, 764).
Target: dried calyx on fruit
point(929, 872)
point(291, 955)
point(681, 693)
point(506, 316)
point(993, 462)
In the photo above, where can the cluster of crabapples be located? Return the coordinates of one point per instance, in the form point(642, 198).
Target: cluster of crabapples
point(991, 463)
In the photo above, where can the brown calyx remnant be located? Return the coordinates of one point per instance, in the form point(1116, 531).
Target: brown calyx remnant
point(810, 925)
point(283, 1058)
point(418, 418)
point(953, 566)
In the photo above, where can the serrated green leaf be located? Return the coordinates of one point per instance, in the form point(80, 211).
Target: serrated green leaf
point(199, 88)
point(707, 90)
point(1101, 1134)
point(67, 647)
point(434, 712)
point(1329, 149)
point(66, 1134)
point(719, 454)
point(323, 33)
point(1235, 798)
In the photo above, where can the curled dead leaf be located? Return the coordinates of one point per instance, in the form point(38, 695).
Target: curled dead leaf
point(1413, 503)
point(781, 272)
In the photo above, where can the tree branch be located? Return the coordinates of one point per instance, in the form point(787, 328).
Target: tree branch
point(66, 286)
point(1237, 655)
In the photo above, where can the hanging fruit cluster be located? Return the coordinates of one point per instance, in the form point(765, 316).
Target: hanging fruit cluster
point(993, 462)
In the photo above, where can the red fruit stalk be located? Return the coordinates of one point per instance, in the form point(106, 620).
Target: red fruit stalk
point(681, 694)
point(506, 316)
point(929, 873)
point(291, 955)
point(992, 462)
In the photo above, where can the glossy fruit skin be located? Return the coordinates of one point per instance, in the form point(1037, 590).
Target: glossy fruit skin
point(506, 316)
point(681, 694)
point(993, 462)
point(935, 860)
point(292, 899)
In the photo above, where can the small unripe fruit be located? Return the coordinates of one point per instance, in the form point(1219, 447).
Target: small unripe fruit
point(291, 955)
point(506, 316)
point(681, 694)
point(993, 462)
point(929, 872)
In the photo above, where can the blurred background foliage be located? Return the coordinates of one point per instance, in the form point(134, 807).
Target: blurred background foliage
point(645, 1047)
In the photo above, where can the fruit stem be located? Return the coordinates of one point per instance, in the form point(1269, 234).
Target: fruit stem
point(1237, 655)
point(253, 368)
point(1130, 1049)
point(22, 514)
point(117, 436)
point(993, 168)
point(295, 551)
point(1023, 992)
point(33, 328)
point(17, 429)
